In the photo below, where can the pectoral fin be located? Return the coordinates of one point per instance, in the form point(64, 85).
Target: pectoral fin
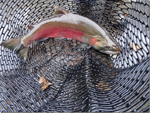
point(59, 10)
point(83, 46)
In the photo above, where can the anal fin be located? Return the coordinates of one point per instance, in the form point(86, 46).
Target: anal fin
point(59, 10)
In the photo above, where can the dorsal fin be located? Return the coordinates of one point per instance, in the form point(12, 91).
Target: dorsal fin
point(59, 10)
point(31, 27)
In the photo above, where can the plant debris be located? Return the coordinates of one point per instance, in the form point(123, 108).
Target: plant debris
point(45, 82)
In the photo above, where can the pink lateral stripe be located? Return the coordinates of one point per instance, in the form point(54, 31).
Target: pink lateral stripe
point(59, 32)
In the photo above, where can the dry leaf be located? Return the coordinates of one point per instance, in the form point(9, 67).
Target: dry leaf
point(135, 46)
point(45, 82)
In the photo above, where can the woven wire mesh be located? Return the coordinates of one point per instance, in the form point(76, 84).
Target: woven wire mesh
point(82, 79)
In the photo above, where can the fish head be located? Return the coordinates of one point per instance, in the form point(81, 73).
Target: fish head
point(104, 47)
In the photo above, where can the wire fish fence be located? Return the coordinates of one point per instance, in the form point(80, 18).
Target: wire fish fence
point(82, 80)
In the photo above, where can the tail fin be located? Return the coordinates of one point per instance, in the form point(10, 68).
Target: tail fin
point(16, 46)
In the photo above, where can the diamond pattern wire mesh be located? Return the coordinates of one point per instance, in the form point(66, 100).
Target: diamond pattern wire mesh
point(82, 79)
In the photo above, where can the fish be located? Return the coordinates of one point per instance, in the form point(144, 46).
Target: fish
point(67, 25)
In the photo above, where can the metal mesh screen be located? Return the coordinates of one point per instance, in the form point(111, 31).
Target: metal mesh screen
point(82, 79)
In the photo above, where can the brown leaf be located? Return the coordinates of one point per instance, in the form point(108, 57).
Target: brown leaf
point(135, 47)
point(45, 82)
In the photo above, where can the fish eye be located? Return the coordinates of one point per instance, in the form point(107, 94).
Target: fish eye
point(107, 46)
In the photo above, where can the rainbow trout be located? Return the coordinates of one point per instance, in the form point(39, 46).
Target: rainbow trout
point(67, 25)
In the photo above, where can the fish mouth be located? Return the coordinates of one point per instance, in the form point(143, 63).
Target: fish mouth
point(111, 52)
point(109, 49)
